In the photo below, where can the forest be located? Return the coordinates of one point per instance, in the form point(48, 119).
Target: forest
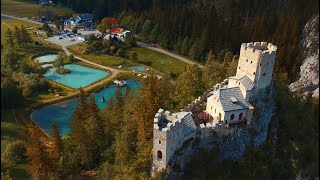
point(196, 27)
point(115, 142)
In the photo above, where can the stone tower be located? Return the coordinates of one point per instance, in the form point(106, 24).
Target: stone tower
point(256, 61)
point(170, 131)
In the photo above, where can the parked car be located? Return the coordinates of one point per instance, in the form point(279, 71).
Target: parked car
point(59, 37)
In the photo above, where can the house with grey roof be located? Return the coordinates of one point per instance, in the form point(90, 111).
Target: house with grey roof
point(84, 21)
point(230, 104)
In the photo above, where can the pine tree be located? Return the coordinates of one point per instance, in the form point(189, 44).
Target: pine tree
point(57, 141)
point(18, 36)
point(95, 123)
point(146, 30)
point(9, 38)
point(211, 55)
point(195, 50)
point(154, 33)
point(26, 38)
point(39, 160)
point(178, 46)
point(185, 46)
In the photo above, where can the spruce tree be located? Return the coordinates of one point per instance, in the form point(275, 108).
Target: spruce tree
point(9, 38)
point(57, 141)
point(40, 163)
point(195, 50)
point(185, 46)
point(18, 36)
point(178, 46)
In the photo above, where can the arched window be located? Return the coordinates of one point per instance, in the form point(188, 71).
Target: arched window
point(260, 64)
point(239, 67)
point(251, 62)
point(267, 64)
point(159, 142)
point(232, 117)
point(254, 73)
point(264, 74)
point(240, 116)
point(159, 155)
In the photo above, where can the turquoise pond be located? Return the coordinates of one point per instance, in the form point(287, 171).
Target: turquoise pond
point(138, 68)
point(61, 113)
point(46, 58)
point(80, 76)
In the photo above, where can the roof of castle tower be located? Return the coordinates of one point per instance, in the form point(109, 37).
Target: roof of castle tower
point(230, 93)
point(247, 83)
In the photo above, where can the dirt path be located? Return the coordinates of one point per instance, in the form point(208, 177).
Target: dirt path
point(6, 24)
point(188, 61)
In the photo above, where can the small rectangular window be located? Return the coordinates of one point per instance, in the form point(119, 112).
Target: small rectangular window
point(159, 142)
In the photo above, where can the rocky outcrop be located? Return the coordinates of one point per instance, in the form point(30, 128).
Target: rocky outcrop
point(309, 70)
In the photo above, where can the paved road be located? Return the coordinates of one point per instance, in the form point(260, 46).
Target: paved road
point(168, 53)
point(21, 19)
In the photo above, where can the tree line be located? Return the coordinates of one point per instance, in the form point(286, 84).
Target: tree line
point(18, 78)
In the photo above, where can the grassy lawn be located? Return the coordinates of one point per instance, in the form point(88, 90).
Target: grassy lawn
point(28, 9)
point(11, 23)
point(155, 60)
point(159, 61)
point(102, 59)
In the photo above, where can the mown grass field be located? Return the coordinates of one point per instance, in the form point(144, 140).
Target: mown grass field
point(102, 59)
point(155, 60)
point(159, 61)
point(28, 9)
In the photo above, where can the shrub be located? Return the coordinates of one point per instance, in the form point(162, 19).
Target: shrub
point(121, 53)
point(71, 57)
point(15, 151)
point(63, 71)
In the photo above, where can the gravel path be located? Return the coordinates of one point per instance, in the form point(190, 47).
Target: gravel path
point(188, 61)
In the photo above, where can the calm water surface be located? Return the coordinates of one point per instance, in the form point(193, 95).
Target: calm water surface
point(80, 76)
point(46, 58)
point(138, 68)
point(61, 113)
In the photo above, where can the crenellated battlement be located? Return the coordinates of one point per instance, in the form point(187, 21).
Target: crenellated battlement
point(258, 48)
point(165, 121)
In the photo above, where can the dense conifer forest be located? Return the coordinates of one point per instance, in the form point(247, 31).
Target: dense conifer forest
point(193, 28)
point(116, 142)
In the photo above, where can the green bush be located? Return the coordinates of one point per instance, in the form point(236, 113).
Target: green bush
point(15, 151)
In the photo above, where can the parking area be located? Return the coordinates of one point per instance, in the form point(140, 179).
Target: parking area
point(67, 38)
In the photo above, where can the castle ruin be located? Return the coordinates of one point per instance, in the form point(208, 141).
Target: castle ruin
point(227, 104)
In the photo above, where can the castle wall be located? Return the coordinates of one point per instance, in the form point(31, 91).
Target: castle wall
point(170, 138)
point(257, 61)
point(236, 114)
point(214, 107)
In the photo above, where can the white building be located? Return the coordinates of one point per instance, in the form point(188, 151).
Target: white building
point(227, 104)
point(254, 72)
point(84, 21)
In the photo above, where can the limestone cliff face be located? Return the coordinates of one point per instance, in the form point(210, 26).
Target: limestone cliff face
point(309, 70)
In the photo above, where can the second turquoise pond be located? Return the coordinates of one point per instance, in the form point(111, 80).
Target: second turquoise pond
point(138, 68)
point(46, 58)
point(61, 113)
point(80, 76)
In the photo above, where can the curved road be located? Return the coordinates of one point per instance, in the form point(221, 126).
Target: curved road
point(188, 61)
point(181, 58)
